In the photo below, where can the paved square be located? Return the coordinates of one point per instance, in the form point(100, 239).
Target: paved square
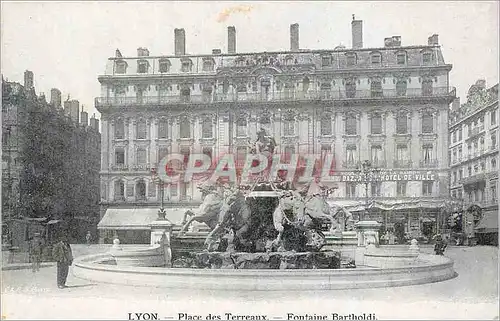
point(472, 295)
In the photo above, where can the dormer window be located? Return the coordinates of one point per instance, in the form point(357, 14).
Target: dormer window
point(240, 62)
point(401, 58)
point(186, 65)
point(289, 60)
point(208, 64)
point(164, 65)
point(351, 59)
point(142, 66)
point(326, 61)
point(427, 58)
point(120, 67)
point(376, 58)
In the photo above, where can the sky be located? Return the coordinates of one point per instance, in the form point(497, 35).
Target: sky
point(66, 44)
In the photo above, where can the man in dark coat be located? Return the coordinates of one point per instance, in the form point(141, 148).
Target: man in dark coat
point(64, 257)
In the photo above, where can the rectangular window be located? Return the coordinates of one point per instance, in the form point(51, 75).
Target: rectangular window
point(185, 129)
point(141, 156)
point(162, 152)
point(377, 156)
point(326, 126)
point(120, 157)
point(376, 124)
point(351, 125)
point(119, 130)
point(376, 188)
point(164, 66)
point(351, 155)
point(142, 68)
point(208, 151)
point(326, 61)
point(427, 88)
point(427, 154)
point(162, 129)
point(288, 152)
point(173, 190)
point(206, 129)
point(401, 58)
point(427, 123)
point(493, 190)
point(402, 124)
point(493, 117)
point(289, 128)
point(454, 177)
point(427, 188)
point(460, 134)
point(376, 89)
point(460, 153)
point(241, 128)
point(401, 188)
point(241, 153)
point(208, 65)
point(351, 60)
point(427, 58)
point(141, 130)
point(186, 66)
point(376, 59)
point(350, 189)
point(402, 153)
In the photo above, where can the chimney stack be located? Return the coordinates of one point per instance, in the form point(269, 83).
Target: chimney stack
point(294, 37)
point(28, 79)
point(142, 52)
point(94, 123)
point(180, 42)
point(231, 40)
point(55, 97)
point(357, 33)
point(433, 40)
point(84, 118)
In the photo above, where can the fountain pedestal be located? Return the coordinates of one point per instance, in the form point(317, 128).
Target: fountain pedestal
point(367, 233)
point(161, 233)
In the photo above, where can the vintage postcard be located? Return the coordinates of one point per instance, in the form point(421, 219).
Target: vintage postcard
point(216, 160)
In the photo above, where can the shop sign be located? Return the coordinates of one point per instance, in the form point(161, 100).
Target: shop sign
point(388, 176)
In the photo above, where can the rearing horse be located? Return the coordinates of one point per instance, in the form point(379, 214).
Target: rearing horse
point(234, 214)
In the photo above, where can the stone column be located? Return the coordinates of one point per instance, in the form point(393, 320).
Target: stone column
point(161, 233)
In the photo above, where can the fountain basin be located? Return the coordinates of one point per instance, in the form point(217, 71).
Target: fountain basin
point(139, 256)
point(428, 268)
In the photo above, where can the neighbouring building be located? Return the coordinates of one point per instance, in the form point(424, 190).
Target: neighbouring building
point(474, 138)
point(388, 105)
point(50, 163)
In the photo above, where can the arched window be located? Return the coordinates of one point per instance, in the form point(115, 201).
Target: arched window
point(427, 87)
point(350, 88)
point(305, 84)
point(185, 94)
point(289, 126)
point(142, 66)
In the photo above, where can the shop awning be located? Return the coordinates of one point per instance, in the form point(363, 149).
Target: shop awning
point(489, 223)
point(137, 218)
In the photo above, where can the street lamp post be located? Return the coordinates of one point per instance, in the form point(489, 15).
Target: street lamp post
point(157, 180)
point(365, 169)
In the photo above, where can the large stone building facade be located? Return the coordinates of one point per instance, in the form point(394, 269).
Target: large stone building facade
point(474, 139)
point(388, 105)
point(50, 162)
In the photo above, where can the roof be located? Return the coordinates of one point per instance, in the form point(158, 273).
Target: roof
point(137, 218)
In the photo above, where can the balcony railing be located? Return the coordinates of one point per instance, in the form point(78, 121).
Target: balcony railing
point(141, 167)
point(403, 164)
point(273, 96)
point(429, 163)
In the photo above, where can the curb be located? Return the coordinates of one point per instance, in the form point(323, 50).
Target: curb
point(25, 266)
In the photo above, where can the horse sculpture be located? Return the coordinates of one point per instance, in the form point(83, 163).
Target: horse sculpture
point(234, 215)
point(207, 213)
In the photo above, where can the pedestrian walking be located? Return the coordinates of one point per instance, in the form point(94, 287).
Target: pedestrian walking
point(88, 237)
point(36, 248)
point(64, 257)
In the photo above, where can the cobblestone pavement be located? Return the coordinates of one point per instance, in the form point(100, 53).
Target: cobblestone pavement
point(472, 295)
